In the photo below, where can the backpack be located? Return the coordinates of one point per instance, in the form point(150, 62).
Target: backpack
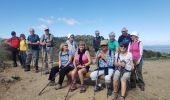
point(65, 54)
point(15, 41)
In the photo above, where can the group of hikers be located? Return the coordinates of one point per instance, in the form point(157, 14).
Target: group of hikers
point(119, 61)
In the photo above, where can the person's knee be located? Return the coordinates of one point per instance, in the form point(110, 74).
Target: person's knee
point(107, 78)
point(93, 76)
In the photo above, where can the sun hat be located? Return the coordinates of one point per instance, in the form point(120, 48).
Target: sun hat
point(103, 42)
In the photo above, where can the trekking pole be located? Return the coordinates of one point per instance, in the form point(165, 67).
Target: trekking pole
point(70, 86)
point(96, 79)
point(45, 87)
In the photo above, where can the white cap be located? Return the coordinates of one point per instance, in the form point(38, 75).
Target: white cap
point(46, 28)
point(135, 33)
point(69, 35)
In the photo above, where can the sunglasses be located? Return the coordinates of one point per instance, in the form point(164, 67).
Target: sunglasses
point(66, 45)
point(103, 45)
point(122, 46)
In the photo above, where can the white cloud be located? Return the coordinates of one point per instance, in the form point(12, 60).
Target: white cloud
point(49, 20)
point(68, 21)
point(40, 27)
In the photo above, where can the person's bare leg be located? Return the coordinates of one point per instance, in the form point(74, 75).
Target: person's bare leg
point(81, 73)
point(123, 88)
point(115, 85)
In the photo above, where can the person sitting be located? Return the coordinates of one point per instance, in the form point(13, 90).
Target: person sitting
point(82, 61)
point(65, 66)
point(105, 60)
point(124, 66)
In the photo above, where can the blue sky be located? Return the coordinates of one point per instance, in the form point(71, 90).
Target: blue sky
point(151, 18)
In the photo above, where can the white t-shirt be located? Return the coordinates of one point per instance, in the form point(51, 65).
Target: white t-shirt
point(127, 58)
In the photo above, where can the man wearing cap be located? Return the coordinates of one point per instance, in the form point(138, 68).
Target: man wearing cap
point(72, 44)
point(96, 41)
point(47, 49)
point(112, 43)
point(14, 47)
point(105, 63)
point(33, 50)
point(125, 38)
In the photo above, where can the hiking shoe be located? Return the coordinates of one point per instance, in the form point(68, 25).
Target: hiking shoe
point(109, 92)
point(98, 88)
point(59, 86)
point(36, 71)
point(114, 96)
point(142, 88)
point(27, 70)
point(47, 72)
point(52, 83)
point(73, 87)
point(82, 88)
point(122, 98)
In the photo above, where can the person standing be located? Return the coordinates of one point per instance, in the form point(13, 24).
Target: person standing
point(125, 37)
point(47, 49)
point(14, 42)
point(96, 41)
point(33, 41)
point(23, 48)
point(72, 44)
point(136, 48)
point(113, 44)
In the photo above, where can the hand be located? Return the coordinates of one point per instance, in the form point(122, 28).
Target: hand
point(138, 62)
point(43, 43)
point(29, 42)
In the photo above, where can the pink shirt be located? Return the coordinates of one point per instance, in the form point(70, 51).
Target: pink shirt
point(84, 58)
point(135, 50)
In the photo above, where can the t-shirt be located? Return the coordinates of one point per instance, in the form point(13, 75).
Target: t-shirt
point(125, 39)
point(72, 47)
point(45, 38)
point(14, 42)
point(110, 58)
point(23, 45)
point(96, 42)
point(113, 45)
point(34, 39)
point(127, 58)
point(64, 57)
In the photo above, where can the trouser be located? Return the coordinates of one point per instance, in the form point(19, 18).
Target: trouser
point(136, 76)
point(62, 73)
point(94, 75)
point(23, 57)
point(32, 53)
point(15, 54)
point(47, 54)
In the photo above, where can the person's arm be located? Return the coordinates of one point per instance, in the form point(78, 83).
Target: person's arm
point(131, 61)
point(89, 59)
point(59, 59)
point(117, 47)
point(141, 52)
point(129, 47)
point(115, 62)
point(74, 62)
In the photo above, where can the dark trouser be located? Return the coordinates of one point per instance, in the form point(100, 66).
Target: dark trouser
point(32, 53)
point(23, 58)
point(15, 54)
point(62, 73)
point(136, 76)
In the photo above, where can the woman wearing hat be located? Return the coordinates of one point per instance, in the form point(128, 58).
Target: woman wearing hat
point(82, 61)
point(136, 48)
point(105, 64)
point(124, 66)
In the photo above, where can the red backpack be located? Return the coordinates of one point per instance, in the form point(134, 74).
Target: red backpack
point(15, 41)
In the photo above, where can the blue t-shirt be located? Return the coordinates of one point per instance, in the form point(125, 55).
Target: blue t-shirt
point(33, 38)
point(125, 39)
point(64, 57)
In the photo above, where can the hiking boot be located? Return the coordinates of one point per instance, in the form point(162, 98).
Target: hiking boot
point(36, 71)
point(109, 91)
point(114, 96)
point(142, 88)
point(73, 87)
point(52, 83)
point(122, 98)
point(59, 86)
point(27, 70)
point(98, 88)
point(46, 72)
point(15, 65)
point(82, 88)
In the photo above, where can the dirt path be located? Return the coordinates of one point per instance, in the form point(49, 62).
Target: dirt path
point(156, 75)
